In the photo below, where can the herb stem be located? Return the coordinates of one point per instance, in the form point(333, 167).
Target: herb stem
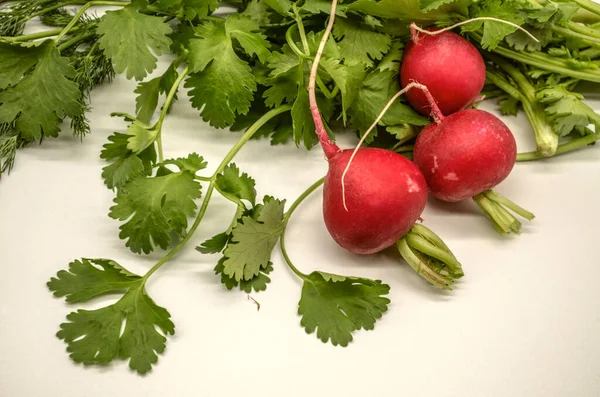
point(593, 40)
point(74, 40)
point(301, 30)
point(211, 187)
point(290, 41)
point(39, 35)
point(54, 7)
point(545, 62)
point(286, 218)
point(83, 9)
point(588, 5)
point(165, 109)
point(564, 148)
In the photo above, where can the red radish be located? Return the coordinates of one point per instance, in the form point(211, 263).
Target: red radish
point(467, 153)
point(448, 65)
point(376, 204)
point(383, 195)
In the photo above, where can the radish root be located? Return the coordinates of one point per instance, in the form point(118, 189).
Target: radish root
point(414, 27)
point(329, 148)
point(435, 113)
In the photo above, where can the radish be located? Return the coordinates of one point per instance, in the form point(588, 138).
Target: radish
point(376, 204)
point(448, 65)
point(465, 155)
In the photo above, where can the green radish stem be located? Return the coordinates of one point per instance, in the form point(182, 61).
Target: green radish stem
point(414, 27)
point(429, 257)
point(435, 113)
point(495, 207)
point(329, 148)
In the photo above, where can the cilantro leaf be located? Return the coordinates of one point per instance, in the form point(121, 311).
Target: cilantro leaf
point(130, 38)
point(323, 6)
point(509, 105)
point(335, 306)
point(257, 283)
point(125, 164)
point(347, 78)
point(240, 186)
point(84, 280)
point(253, 239)
point(428, 5)
point(214, 245)
point(566, 110)
point(258, 11)
point(16, 60)
point(192, 163)
point(140, 136)
point(374, 93)
point(222, 84)
point(186, 9)
point(154, 208)
point(494, 32)
point(358, 43)
point(520, 41)
point(94, 336)
point(281, 6)
point(147, 99)
point(42, 98)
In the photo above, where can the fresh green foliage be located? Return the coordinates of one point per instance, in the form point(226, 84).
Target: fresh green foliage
point(39, 100)
point(249, 71)
point(128, 37)
point(567, 111)
point(94, 336)
point(222, 83)
point(156, 207)
point(335, 306)
point(253, 239)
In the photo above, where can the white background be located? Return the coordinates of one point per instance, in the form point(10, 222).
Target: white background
point(524, 321)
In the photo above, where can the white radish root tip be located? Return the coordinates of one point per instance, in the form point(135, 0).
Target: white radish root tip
point(435, 112)
point(414, 27)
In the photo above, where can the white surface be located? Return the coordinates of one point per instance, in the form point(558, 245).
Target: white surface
point(525, 320)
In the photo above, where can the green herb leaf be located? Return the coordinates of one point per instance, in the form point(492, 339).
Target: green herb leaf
point(222, 83)
point(16, 60)
point(186, 9)
point(125, 164)
point(374, 93)
point(428, 5)
point(94, 336)
point(358, 43)
point(509, 105)
point(84, 280)
point(130, 38)
point(192, 163)
point(253, 239)
point(239, 186)
point(214, 245)
point(566, 110)
point(42, 98)
point(494, 32)
point(257, 283)
point(281, 6)
point(335, 306)
point(155, 208)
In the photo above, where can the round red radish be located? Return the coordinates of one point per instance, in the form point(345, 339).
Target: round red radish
point(465, 154)
point(451, 68)
point(385, 195)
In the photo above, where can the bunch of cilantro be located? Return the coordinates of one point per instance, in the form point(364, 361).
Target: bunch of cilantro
point(245, 66)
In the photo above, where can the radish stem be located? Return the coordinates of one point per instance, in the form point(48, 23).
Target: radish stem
point(493, 206)
point(329, 148)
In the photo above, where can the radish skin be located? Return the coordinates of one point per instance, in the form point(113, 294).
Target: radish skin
point(448, 65)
